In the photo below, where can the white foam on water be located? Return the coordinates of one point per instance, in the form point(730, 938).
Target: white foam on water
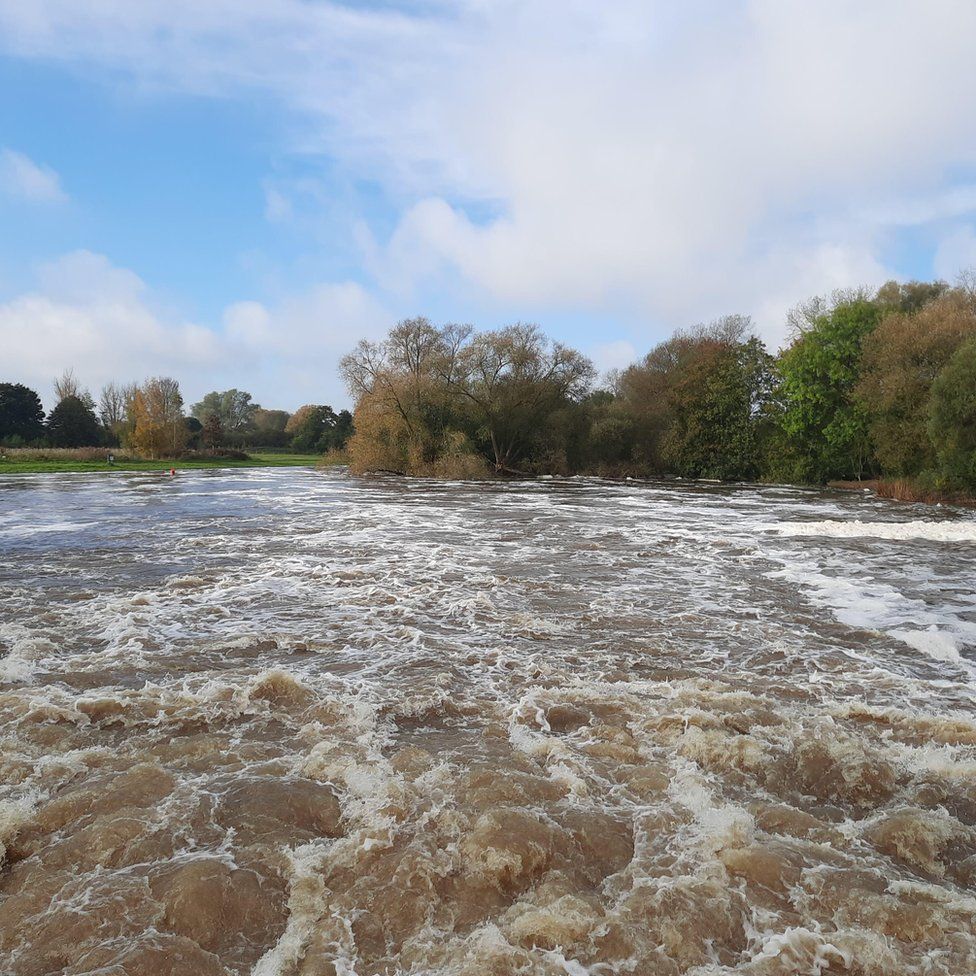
point(27, 530)
point(931, 531)
point(932, 641)
point(433, 655)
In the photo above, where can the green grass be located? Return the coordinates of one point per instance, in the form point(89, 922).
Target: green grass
point(15, 466)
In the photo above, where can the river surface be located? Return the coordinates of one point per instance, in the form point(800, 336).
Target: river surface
point(292, 723)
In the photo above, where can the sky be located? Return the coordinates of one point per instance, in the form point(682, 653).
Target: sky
point(234, 192)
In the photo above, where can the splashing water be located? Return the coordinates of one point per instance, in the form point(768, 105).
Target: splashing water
point(293, 723)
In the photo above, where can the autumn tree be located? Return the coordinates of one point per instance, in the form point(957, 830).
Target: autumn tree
point(159, 430)
point(901, 360)
point(402, 397)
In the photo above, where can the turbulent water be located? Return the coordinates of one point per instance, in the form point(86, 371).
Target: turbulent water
point(287, 722)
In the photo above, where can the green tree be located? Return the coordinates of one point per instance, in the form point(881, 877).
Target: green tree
point(317, 427)
point(821, 418)
point(512, 381)
point(72, 423)
point(233, 407)
point(719, 401)
point(952, 417)
point(21, 414)
point(269, 427)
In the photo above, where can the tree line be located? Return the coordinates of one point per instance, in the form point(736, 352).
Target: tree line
point(149, 419)
point(870, 384)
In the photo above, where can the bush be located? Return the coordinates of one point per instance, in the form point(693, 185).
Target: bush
point(952, 418)
point(228, 453)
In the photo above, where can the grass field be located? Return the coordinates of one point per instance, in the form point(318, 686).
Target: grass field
point(11, 464)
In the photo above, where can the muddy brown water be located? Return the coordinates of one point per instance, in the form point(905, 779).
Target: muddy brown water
point(294, 723)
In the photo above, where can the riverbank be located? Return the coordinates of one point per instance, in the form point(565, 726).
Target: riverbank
point(906, 490)
point(10, 464)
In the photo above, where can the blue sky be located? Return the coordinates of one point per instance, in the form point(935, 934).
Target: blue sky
point(234, 193)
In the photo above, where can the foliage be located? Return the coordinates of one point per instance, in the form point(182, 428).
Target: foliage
point(878, 385)
point(317, 427)
point(72, 423)
point(269, 427)
point(511, 381)
point(820, 416)
point(213, 432)
point(21, 414)
point(901, 361)
point(952, 417)
point(233, 408)
point(720, 404)
point(157, 408)
point(115, 410)
point(426, 393)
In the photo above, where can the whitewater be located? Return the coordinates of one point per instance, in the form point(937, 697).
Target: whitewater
point(288, 722)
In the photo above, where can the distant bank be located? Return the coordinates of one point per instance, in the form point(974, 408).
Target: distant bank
point(36, 463)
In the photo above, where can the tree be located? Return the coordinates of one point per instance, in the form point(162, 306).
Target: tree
point(21, 414)
point(909, 297)
point(213, 432)
point(317, 427)
point(719, 402)
point(158, 415)
point(408, 412)
point(901, 360)
point(112, 404)
point(269, 427)
point(67, 385)
point(655, 408)
point(512, 380)
point(952, 417)
point(337, 438)
point(233, 407)
point(72, 423)
point(114, 410)
point(821, 418)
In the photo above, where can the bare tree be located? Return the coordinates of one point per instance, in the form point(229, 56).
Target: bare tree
point(67, 385)
point(112, 405)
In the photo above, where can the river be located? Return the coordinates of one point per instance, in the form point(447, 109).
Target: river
point(281, 721)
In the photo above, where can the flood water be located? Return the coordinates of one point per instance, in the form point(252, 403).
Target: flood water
point(291, 722)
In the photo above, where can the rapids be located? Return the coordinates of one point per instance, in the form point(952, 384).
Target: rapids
point(291, 723)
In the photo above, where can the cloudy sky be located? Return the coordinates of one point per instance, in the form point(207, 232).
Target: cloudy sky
point(234, 191)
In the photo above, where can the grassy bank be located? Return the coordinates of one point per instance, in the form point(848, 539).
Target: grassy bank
point(906, 490)
point(34, 462)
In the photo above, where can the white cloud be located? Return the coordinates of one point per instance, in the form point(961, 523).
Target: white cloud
point(956, 252)
point(664, 162)
point(612, 355)
point(102, 321)
point(22, 178)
